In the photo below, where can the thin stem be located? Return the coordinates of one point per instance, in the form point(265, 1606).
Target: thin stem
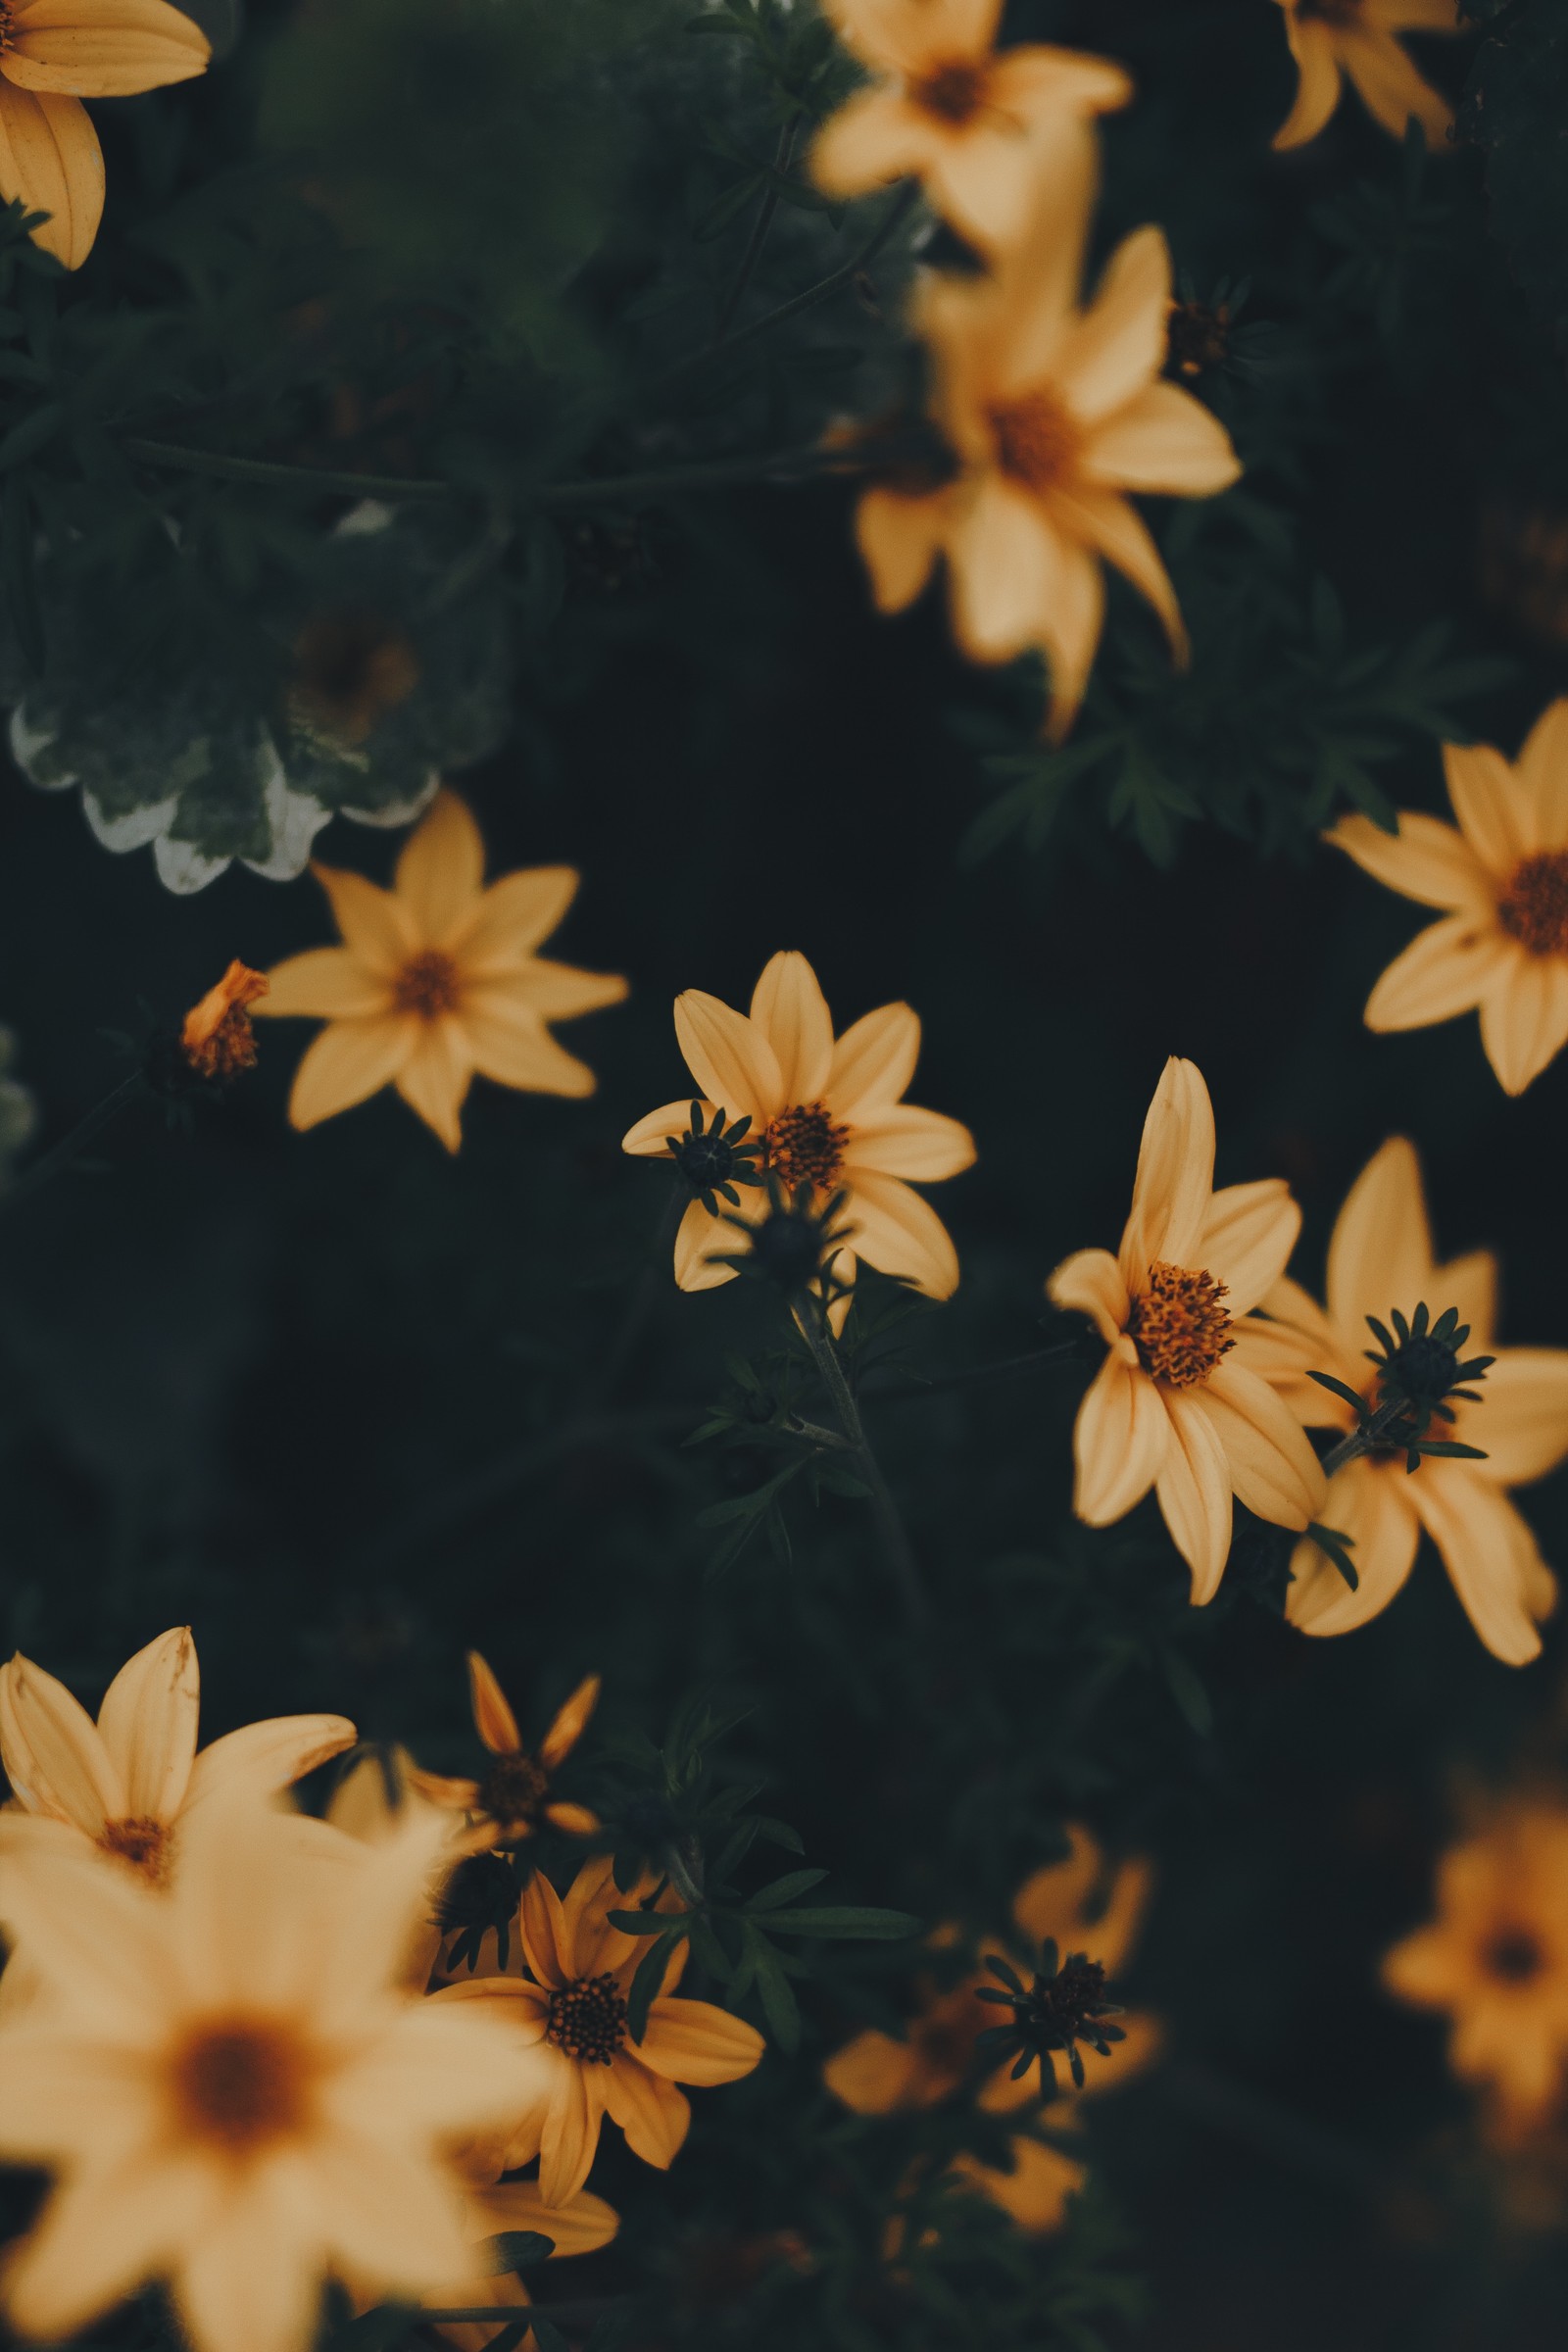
point(758, 236)
point(1365, 1439)
point(267, 474)
point(72, 1146)
point(811, 1318)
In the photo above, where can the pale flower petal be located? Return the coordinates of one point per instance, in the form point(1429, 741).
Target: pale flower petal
point(1425, 859)
point(148, 1724)
point(1164, 440)
point(268, 1756)
point(903, 1139)
point(789, 1007)
point(900, 537)
point(1090, 1282)
point(1248, 1234)
point(103, 48)
point(1118, 532)
point(729, 1056)
point(894, 1229)
point(493, 1719)
point(1448, 968)
point(1173, 1188)
point(1194, 1491)
point(1273, 1469)
point(514, 916)
point(1380, 1256)
point(1524, 1019)
point(1119, 1442)
point(375, 925)
point(1118, 344)
point(1005, 566)
point(1390, 88)
point(873, 1062)
point(650, 1138)
point(1522, 1419)
point(103, 2234)
point(875, 136)
point(694, 2041)
point(1489, 1554)
point(654, 2115)
point(1368, 1504)
point(61, 1761)
point(347, 1064)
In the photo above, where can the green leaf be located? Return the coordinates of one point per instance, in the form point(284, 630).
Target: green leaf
point(777, 1998)
point(785, 1889)
point(517, 2249)
point(1329, 1539)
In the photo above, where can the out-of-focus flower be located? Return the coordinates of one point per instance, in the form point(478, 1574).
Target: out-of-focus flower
point(1501, 878)
point(1496, 1958)
point(52, 56)
point(129, 1781)
point(513, 1797)
point(1381, 1258)
point(235, 2092)
point(575, 2016)
point(875, 2075)
point(581, 2226)
point(828, 1114)
point(1055, 413)
point(1332, 38)
point(217, 1040)
point(950, 109)
point(1167, 1409)
point(437, 978)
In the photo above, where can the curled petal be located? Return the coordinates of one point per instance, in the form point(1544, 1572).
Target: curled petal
point(1090, 1282)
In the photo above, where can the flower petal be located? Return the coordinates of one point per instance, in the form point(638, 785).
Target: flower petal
point(506, 1040)
point(375, 925)
point(55, 1756)
point(1164, 440)
point(873, 1062)
point(903, 1139)
point(1174, 1183)
point(148, 1724)
point(103, 48)
point(1194, 1490)
point(1052, 1901)
point(789, 1007)
point(693, 2042)
point(105, 2231)
point(1317, 91)
point(514, 916)
point(1389, 85)
point(900, 538)
point(1272, 1467)
point(700, 1240)
point(570, 2135)
point(875, 136)
point(1492, 805)
point(1489, 1554)
point(730, 1057)
point(1090, 1282)
point(493, 1719)
point(51, 162)
point(1543, 774)
point(1446, 970)
point(1106, 522)
point(434, 1077)
point(1006, 564)
point(1119, 345)
point(1119, 1441)
point(268, 1756)
point(1380, 1256)
point(440, 872)
point(1522, 1419)
point(1369, 1503)
point(894, 1229)
point(874, 2075)
point(580, 2226)
point(1035, 2192)
point(1524, 1019)
point(1248, 1237)
point(349, 1061)
point(1425, 859)
point(571, 1722)
point(650, 1138)
point(328, 983)
point(655, 2116)
point(561, 992)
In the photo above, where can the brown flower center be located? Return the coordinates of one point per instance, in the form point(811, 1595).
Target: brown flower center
point(513, 1788)
point(142, 1843)
point(241, 2085)
point(349, 670)
point(427, 985)
point(1178, 1325)
point(804, 1146)
point(1533, 906)
point(1037, 441)
point(955, 91)
point(1514, 1955)
point(588, 2020)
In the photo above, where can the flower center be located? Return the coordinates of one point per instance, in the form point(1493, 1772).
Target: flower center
point(513, 1790)
point(955, 91)
point(804, 1146)
point(1178, 1325)
point(427, 985)
point(1037, 440)
point(241, 2085)
point(142, 1843)
point(588, 2020)
point(1533, 906)
point(349, 670)
point(1514, 1956)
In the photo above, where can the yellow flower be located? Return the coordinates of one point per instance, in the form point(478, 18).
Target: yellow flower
point(513, 1797)
point(53, 54)
point(581, 2226)
point(826, 1112)
point(126, 1783)
point(1166, 1410)
point(950, 109)
point(875, 2075)
point(1497, 1959)
point(1329, 38)
point(436, 979)
point(1381, 1258)
point(573, 2017)
point(1502, 880)
point(216, 1039)
point(233, 2090)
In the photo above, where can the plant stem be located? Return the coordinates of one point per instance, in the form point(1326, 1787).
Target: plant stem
point(71, 1146)
point(811, 1319)
point(1365, 1439)
point(267, 474)
point(758, 236)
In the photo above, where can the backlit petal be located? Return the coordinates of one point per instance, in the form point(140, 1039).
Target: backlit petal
point(433, 1078)
point(1273, 1469)
point(1164, 440)
point(440, 872)
point(1489, 1554)
point(148, 1724)
point(789, 1007)
point(1524, 1019)
point(328, 983)
point(1380, 1256)
point(1425, 859)
point(1368, 1504)
point(732, 1059)
point(1173, 1186)
point(349, 1061)
point(1118, 1442)
point(1194, 1491)
point(903, 1139)
point(894, 1229)
point(1446, 970)
point(103, 48)
point(1248, 1237)
point(51, 162)
point(1090, 1282)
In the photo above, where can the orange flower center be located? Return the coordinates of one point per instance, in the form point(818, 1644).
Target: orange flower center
point(1037, 441)
point(513, 1790)
point(142, 1843)
point(1513, 1956)
point(804, 1146)
point(1533, 906)
point(427, 985)
point(1178, 1325)
point(955, 91)
point(241, 2085)
point(588, 2020)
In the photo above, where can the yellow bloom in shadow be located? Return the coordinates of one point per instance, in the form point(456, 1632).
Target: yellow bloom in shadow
point(1332, 38)
point(1501, 878)
point(1496, 1958)
point(513, 1797)
point(53, 54)
point(1380, 1259)
point(952, 111)
point(826, 1112)
point(1167, 1408)
point(436, 979)
point(234, 2090)
point(1055, 413)
point(573, 2016)
point(876, 2075)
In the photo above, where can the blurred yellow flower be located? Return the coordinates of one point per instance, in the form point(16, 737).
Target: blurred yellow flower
point(124, 1782)
point(581, 2226)
point(1054, 414)
point(1496, 1958)
point(950, 109)
point(876, 2075)
point(216, 1039)
point(235, 2092)
point(1329, 38)
point(437, 978)
point(53, 54)
point(1502, 879)
point(513, 1797)
point(573, 2017)
point(1380, 1259)
point(827, 1112)
point(1167, 1409)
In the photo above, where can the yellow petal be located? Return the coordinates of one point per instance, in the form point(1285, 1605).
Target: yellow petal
point(570, 2136)
point(1380, 1256)
point(874, 2075)
point(505, 1040)
point(894, 1229)
point(1119, 345)
point(650, 1138)
point(984, 178)
point(729, 1056)
point(1005, 567)
point(1542, 773)
point(1118, 532)
point(1272, 1467)
point(102, 2235)
point(899, 539)
point(513, 917)
point(546, 1937)
point(349, 1061)
point(1522, 1419)
point(1524, 1019)
point(570, 1724)
point(580, 2226)
point(51, 162)
point(1368, 1503)
point(790, 1009)
point(1194, 1490)
point(1469, 1285)
point(1090, 1282)
point(1317, 93)
point(1052, 1900)
point(148, 1724)
point(327, 984)
point(1071, 636)
point(1492, 805)
point(440, 872)
point(901, 1140)
point(694, 2041)
point(62, 1765)
point(263, 1758)
point(1035, 2192)
point(1446, 970)
point(873, 1062)
point(1162, 440)
point(103, 48)
point(699, 1240)
point(1489, 1552)
point(876, 136)
point(1248, 1235)
point(433, 1078)
point(1392, 89)
point(1425, 861)
point(1119, 1442)
point(655, 2116)
point(493, 1719)
point(560, 992)
point(1173, 1188)
point(373, 923)
point(1047, 82)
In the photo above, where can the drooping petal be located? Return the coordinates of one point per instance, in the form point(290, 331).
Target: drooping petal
point(440, 872)
point(1425, 859)
point(650, 1138)
point(700, 1240)
point(693, 2042)
point(655, 2116)
point(506, 1040)
point(148, 1724)
point(1522, 1419)
point(1119, 345)
point(51, 162)
point(374, 923)
point(1248, 1237)
point(514, 916)
point(1175, 1177)
point(894, 1229)
point(329, 984)
point(901, 1140)
point(1524, 1019)
point(1370, 1504)
point(1379, 1255)
point(1489, 1554)
point(1090, 1282)
point(1392, 89)
point(1542, 773)
point(900, 537)
point(1194, 1491)
point(493, 1719)
point(62, 1763)
point(570, 1724)
point(1317, 91)
point(789, 1007)
point(347, 1064)
point(732, 1059)
point(873, 1062)
point(434, 1077)
point(1446, 970)
point(1119, 1441)
point(1162, 440)
point(1492, 805)
point(102, 48)
point(1273, 1469)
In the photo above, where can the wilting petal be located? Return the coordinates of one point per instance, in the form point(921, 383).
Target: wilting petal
point(1317, 91)
point(148, 1724)
point(1273, 1469)
point(1175, 1177)
point(900, 538)
point(102, 48)
point(1164, 440)
point(922, 1145)
point(1380, 1256)
point(1446, 970)
point(1425, 859)
point(1390, 86)
point(1248, 1237)
point(493, 1719)
point(1194, 1491)
point(650, 1138)
point(700, 1240)
point(693, 2042)
point(789, 1007)
point(1542, 773)
point(1489, 1554)
point(1492, 805)
point(440, 872)
point(655, 2116)
point(374, 923)
point(506, 1040)
point(875, 136)
point(873, 1062)
point(513, 917)
point(50, 160)
point(1369, 1503)
point(326, 984)
point(1090, 1282)
point(434, 1077)
point(732, 1059)
point(348, 1062)
point(1119, 1442)
point(894, 1229)
point(1119, 345)
point(1524, 1019)
point(1522, 1419)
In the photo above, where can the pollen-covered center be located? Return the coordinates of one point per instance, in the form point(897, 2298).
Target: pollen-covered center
point(1533, 907)
point(805, 1145)
point(142, 1843)
point(241, 2084)
point(513, 1788)
point(588, 2020)
point(955, 91)
point(1037, 441)
point(427, 985)
point(1514, 1956)
point(1178, 1325)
